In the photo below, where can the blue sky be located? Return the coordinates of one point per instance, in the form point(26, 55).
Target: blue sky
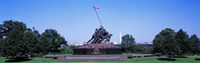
point(76, 20)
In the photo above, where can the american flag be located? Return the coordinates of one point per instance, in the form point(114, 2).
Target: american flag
point(96, 8)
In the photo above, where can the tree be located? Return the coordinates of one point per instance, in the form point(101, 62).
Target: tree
point(1, 45)
point(165, 42)
point(50, 41)
point(1, 42)
point(19, 42)
point(194, 44)
point(183, 40)
point(128, 43)
point(32, 40)
point(157, 43)
point(13, 36)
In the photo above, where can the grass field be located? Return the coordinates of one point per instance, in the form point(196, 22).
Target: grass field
point(134, 60)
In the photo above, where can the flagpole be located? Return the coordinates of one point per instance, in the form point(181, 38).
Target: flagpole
point(97, 15)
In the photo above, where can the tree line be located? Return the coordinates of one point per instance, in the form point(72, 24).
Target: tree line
point(170, 43)
point(167, 42)
point(18, 41)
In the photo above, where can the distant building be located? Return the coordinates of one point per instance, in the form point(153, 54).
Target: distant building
point(145, 44)
point(75, 43)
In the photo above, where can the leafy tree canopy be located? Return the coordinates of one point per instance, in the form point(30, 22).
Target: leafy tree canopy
point(182, 39)
point(165, 42)
point(128, 43)
point(194, 44)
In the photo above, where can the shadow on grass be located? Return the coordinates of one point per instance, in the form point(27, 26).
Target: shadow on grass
point(198, 59)
point(167, 59)
point(17, 60)
point(180, 57)
point(51, 57)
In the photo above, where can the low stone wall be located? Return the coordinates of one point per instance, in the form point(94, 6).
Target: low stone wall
point(92, 58)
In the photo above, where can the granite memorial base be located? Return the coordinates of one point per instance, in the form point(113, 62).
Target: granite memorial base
point(96, 51)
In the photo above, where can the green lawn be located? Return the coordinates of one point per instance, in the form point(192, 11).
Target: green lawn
point(134, 60)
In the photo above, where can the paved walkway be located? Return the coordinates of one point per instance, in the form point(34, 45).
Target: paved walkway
point(140, 55)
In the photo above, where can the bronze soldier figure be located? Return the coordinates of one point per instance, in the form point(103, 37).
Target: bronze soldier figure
point(100, 36)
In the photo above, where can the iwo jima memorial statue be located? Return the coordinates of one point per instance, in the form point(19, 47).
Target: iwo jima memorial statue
point(96, 48)
point(99, 43)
